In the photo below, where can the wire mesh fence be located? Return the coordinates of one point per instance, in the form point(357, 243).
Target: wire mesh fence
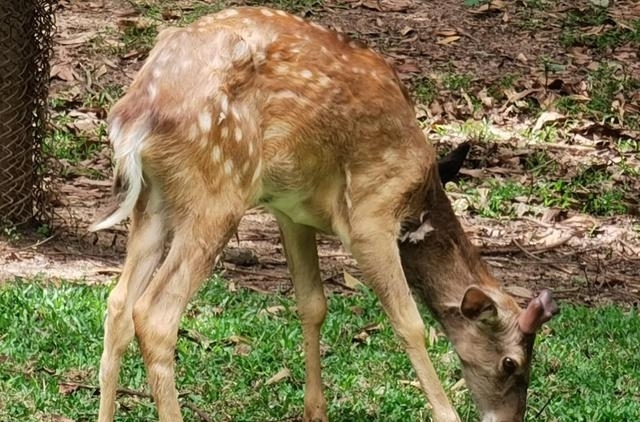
point(25, 47)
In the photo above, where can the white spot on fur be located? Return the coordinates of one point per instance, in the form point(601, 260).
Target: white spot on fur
point(344, 57)
point(318, 26)
point(266, 12)
point(419, 234)
point(163, 58)
point(281, 13)
point(257, 173)
point(152, 90)
point(307, 74)
point(237, 133)
point(250, 148)
point(204, 120)
point(240, 52)
point(186, 64)
point(224, 103)
point(279, 129)
point(282, 95)
point(281, 69)
point(347, 189)
point(235, 114)
point(193, 132)
point(228, 167)
point(224, 132)
point(226, 14)
point(324, 81)
point(341, 38)
point(353, 44)
point(156, 73)
point(298, 18)
point(216, 153)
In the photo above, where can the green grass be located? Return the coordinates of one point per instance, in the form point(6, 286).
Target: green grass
point(586, 367)
point(577, 21)
point(65, 143)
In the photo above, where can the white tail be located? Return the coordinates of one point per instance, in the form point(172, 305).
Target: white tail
point(255, 107)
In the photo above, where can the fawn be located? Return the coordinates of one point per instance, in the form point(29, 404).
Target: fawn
point(255, 107)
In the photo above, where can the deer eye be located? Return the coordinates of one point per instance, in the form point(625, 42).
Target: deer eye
point(509, 366)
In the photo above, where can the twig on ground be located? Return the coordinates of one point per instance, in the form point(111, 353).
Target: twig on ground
point(38, 243)
point(537, 258)
point(143, 394)
point(258, 273)
point(201, 413)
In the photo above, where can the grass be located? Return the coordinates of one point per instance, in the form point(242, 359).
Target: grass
point(608, 37)
point(591, 191)
point(64, 143)
point(586, 367)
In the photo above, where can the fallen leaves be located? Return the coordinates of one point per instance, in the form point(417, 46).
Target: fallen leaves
point(279, 376)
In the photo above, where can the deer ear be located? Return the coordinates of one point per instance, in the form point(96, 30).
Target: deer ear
point(478, 306)
point(450, 164)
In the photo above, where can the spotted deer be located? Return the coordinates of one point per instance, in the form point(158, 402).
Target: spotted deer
point(253, 107)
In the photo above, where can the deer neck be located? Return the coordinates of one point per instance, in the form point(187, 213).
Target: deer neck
point(440, 262)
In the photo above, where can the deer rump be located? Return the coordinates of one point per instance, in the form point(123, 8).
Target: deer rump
point(255, 107)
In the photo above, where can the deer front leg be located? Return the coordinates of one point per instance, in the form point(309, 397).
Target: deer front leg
point(379, 259)
point(302, 258)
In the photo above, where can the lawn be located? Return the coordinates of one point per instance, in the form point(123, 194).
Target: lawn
point(239, 359)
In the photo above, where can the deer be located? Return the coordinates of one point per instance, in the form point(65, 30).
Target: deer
point(254, 107)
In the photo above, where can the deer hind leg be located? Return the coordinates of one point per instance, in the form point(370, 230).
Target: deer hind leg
point(197, 243)
point(302, 258)
point(145, 246)
point(379, 259)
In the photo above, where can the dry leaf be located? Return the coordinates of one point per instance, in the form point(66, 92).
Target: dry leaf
point(432, 336)
point(361, 337)
point(242, 349)
point(281, 375)
point(65, 388)
point(414, 383)
point(492, 6)
point(406, 30)
point(64, 72)
point(77, 38)
point(459, 385)
point(448, 40)
point(546, 117)
point(350, 281)
point(237, 340)
point(395, 5)
point(519, 291)
point(271, 310)
point(408, 68)
point(446, 32)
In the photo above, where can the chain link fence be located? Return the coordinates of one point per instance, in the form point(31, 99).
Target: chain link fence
point(25, 47)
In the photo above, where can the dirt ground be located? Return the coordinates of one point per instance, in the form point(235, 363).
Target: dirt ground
point(584, 259)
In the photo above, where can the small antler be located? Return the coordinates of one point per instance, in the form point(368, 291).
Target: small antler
point(540, 310)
